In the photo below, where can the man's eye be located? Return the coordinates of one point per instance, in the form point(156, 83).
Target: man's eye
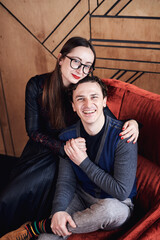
point(94, 97)
point(79, 99)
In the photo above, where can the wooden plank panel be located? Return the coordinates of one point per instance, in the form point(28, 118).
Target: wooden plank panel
point(127, 76)
point(22, 57)
point(144, 82)
point(40, 17)
point(69, 23)
point(83, 29)
point(126, 65)
point(126, 29)
point(111, 73)
point(142, 8)
point(104, 7)
point(2, 148)
point(128, 54)
point(126, 44)
point(92, 5)
point(99, 1)
point(118, 7)
point(149, 82)
point(119, 74)
point(104, 73)
point(5, 135)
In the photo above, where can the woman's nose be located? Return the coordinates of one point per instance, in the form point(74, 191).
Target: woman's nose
point(80, 69)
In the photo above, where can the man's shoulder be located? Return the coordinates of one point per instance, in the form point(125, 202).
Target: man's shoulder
point(116, 127)
point(68, 133)
point(115, 123)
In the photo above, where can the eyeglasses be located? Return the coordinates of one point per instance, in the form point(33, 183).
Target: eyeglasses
point(76, 64)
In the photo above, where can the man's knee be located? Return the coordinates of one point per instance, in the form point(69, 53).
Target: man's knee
point(115, 213)
point(105, 214)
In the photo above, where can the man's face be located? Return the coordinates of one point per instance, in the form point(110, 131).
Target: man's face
point(88, 102)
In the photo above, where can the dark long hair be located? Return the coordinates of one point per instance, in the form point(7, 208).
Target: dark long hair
point(52, 98)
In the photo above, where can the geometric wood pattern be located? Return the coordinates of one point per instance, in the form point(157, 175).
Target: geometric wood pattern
point(125, 34)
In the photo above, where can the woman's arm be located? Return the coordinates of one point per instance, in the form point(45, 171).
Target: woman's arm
point(33, 119)
point(130, 128)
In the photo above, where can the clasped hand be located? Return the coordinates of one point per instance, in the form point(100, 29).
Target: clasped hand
point(76, 150)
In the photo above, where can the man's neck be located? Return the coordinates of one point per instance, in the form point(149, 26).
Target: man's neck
point(94, 128)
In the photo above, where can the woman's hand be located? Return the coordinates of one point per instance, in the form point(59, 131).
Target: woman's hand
point(73, 151)
point(59, 222)
point(130, 129)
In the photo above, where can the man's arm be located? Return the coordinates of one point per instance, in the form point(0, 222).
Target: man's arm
point(120, 184)
point(65, 187)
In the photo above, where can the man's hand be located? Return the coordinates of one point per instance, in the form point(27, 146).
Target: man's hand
point(76, 154)
point(59, 222)
point(81, 143)
point(130, 129)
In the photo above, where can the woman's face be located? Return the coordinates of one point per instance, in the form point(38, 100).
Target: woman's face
point(80, 54)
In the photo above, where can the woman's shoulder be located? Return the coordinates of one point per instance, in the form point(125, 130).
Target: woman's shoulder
point(35, 84)
point(38, 80)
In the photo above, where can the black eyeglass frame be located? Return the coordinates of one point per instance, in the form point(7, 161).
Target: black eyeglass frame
point(91, 69)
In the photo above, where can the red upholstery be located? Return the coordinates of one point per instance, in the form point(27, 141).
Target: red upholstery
point(127, 101)
point(153, 232)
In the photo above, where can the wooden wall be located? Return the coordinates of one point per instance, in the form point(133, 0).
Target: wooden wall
point(126, 36)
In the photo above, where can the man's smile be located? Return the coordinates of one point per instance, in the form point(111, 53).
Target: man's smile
point(89, 111)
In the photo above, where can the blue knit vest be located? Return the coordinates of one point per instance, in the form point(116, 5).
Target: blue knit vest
point(104, 158)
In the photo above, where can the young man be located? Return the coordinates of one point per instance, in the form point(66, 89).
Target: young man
point(96, 185)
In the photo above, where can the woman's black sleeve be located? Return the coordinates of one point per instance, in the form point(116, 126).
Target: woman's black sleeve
point(33, 120)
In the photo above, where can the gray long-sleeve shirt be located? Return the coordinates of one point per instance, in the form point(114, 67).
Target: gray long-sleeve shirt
point(117, 183)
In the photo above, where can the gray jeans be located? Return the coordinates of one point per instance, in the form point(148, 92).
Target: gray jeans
point(91, 214)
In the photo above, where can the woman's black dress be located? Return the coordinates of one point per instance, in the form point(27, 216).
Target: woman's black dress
point(30, 191)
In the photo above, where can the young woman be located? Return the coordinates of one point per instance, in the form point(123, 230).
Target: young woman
point(48, 110)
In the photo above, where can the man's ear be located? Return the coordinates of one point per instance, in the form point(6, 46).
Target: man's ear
point(105, 101)
point(74, 110)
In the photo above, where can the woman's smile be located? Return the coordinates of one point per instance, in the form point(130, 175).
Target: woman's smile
point(75, 76)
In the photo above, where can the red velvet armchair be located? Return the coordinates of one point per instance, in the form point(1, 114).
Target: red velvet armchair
point(127, 101)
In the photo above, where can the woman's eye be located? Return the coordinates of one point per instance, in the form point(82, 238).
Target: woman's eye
point(76, 61)
point(88, 66)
